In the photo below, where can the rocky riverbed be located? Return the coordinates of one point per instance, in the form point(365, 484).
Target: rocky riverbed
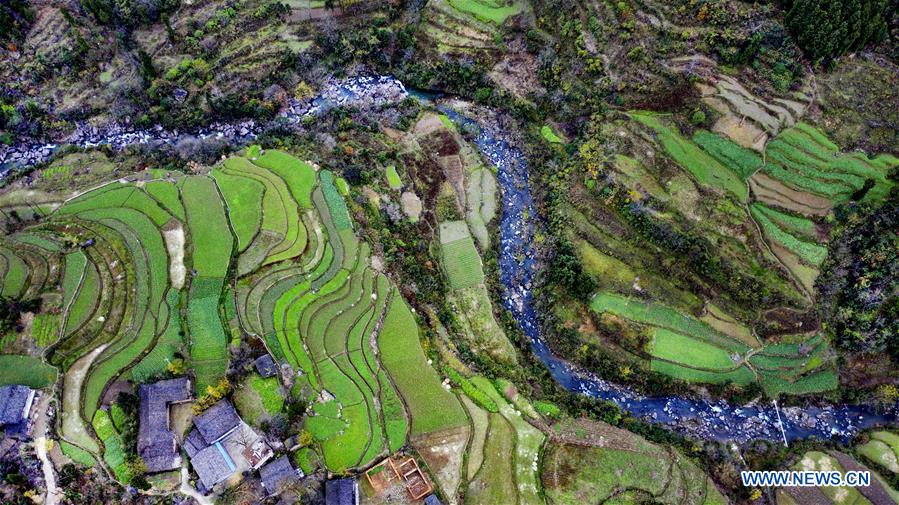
point(362, 92)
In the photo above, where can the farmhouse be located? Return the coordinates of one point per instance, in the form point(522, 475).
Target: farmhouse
point(341, 492)
point(266, 366)
point(156, 443)
point(15, 405)
point(278, 473)
point(221, 444)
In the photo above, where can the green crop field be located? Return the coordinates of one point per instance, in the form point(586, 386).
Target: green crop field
point(880, 453)
point(804, 158)
point(15, 273)
point(113, 452)
point(690, 350)
point(802, 227)
point(432, 408)
point(244, 199)
point(77, 454)
point(488, 10)
point(664, 317)
point(738, 158)
point(573, 471)
point(27, 370)
point(671, 346)
point(45, 329)
point(208, 225)
point(495, 480)
point(706, 169)
point(811, 253)
point(336, 203)
point(528, 443)
point(299, 175)
point(166, 193)
point(208, 341)
point(461, 260)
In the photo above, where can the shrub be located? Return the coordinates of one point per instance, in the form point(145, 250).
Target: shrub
point(698, 117)
point(471, 391)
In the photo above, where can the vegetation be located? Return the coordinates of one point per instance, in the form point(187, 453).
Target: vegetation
point(862, 262)
point(827, 30)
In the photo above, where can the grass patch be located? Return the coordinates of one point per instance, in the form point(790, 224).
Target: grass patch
point(393, 178)
point(549, 135)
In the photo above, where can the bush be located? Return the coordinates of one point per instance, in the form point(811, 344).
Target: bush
point(698, 117)
point(471, 391)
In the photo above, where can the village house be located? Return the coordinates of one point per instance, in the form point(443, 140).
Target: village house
point(156, 444)
point(278, 473)
point(341, 492)
point(15, 406)
point(221, 445)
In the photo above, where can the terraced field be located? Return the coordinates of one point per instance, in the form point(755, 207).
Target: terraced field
point(882, 449)
point(693, 350)
point(602, 462)
point(464, 26)
point(879, 491)
point(461, 260)
point(145, 276)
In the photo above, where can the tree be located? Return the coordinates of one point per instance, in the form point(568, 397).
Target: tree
point(826, 29)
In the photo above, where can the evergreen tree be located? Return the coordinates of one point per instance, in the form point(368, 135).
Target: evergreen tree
point(825, 29)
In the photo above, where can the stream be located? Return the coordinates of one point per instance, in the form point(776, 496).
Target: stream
point(712, 420)
point(709, 420)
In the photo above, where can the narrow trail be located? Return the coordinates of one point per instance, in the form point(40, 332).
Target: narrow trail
point(41, 424)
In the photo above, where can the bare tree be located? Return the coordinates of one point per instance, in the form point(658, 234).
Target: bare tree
point(243, 438)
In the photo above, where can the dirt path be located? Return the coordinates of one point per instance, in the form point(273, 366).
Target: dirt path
point(41, 424)
point(73, 428)
point(188, 490)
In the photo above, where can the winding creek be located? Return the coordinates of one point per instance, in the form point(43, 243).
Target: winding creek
point(716, 420)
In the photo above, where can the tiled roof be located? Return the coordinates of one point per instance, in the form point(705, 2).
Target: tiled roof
point(276, 472)
point(340, 492)
point(156, 444)
point(13, 400)
point(212, 465)
point(217, 421)
point(432, 499)
point(194, 443)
